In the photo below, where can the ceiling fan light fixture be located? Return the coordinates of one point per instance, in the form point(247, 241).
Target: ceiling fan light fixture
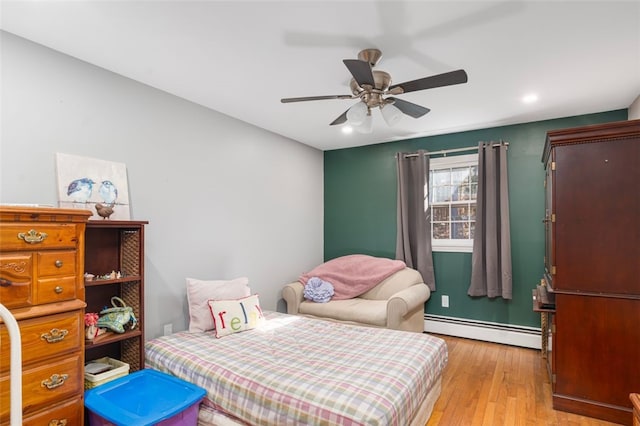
point(366, 126)
point(391, 114)
point(357, 113)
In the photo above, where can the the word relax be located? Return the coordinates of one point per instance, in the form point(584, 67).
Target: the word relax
point(236, 323)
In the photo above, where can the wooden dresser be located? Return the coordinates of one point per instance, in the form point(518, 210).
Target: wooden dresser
point(42, 283)
point(592, 264)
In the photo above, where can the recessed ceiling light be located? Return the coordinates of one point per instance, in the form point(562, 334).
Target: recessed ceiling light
point(530, 98)
point(347, 129)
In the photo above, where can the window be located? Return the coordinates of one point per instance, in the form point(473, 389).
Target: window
point(453, 188)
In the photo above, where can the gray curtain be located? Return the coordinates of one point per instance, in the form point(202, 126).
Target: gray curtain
point(413, 243)
point(491, 259)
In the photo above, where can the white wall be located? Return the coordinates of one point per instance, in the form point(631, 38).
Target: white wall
point(223, 198)
point(634, 109)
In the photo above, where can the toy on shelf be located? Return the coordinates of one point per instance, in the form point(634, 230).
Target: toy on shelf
point(91, 326)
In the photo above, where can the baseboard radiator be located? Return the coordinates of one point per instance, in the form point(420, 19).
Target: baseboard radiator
point(528, 337)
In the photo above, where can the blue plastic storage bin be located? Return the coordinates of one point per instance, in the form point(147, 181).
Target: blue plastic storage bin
point(144, 398)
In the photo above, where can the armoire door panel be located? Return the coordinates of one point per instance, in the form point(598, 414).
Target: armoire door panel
point(598, 338)
point(597, 208)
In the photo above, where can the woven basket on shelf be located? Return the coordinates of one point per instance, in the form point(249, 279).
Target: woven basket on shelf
point(119, 369)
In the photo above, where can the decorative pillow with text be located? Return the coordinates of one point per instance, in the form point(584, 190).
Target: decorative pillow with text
point(233, 316)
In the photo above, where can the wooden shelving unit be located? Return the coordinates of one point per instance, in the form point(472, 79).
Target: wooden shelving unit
point(116, 246)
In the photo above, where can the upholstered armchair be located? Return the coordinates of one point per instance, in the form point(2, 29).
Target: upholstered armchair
point(396, 303)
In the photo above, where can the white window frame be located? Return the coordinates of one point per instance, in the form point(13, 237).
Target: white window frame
point(459, 246)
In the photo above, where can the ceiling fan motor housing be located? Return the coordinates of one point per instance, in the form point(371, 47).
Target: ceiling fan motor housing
point(372, 96)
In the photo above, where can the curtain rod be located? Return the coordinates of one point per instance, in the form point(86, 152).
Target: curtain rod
point(446, 151)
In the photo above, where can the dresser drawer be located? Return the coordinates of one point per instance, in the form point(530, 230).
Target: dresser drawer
point(55, 290)
point(56, 263)
point(68, 413)
point(46, 384)
point(44, 337)
point(37, 236)
point(16, 279)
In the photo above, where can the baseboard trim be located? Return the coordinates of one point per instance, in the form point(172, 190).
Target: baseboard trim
point(528, 337)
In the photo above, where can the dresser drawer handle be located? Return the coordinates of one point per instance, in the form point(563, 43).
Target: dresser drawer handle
point(32, 237)
point(58, 422)
point(55, 335)
point(58, 289)
point(5, 283)
point(54, 381)
point(58, 263)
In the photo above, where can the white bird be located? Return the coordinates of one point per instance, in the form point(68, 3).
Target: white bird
point(108, 192)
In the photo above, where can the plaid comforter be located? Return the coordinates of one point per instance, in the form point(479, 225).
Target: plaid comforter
point(300, 371)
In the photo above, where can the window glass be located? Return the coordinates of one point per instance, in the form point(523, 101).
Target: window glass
point(452, 193)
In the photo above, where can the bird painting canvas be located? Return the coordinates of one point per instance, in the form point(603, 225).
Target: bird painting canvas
point(93, 184)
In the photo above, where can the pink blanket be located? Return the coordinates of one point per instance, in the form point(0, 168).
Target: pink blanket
point(354, 274)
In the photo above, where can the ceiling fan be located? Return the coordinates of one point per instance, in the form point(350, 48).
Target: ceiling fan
point(371, 87)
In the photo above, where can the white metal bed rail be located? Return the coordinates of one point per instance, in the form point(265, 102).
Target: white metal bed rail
point(16, 365)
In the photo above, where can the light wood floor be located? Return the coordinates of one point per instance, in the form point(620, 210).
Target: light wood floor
point(492, 384)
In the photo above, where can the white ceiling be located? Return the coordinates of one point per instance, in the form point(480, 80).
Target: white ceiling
point(241, 57)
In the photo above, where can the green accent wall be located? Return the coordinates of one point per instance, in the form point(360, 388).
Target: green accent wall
point(360, 212)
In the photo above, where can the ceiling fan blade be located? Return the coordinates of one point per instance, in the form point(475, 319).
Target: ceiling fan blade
point(315, 98)
point(409, 108)
point(340, 120)
point(446, 79)
point(361, 71)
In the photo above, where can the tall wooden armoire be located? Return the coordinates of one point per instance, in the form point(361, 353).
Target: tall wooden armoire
point(592, 264)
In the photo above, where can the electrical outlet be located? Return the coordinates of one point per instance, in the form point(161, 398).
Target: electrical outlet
point(445, 301)
point(168, 329)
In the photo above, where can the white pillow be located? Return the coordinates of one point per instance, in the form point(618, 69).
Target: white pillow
point(234, 316)
point(199, 292)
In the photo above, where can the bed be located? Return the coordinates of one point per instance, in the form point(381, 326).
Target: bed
point(300, 371)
